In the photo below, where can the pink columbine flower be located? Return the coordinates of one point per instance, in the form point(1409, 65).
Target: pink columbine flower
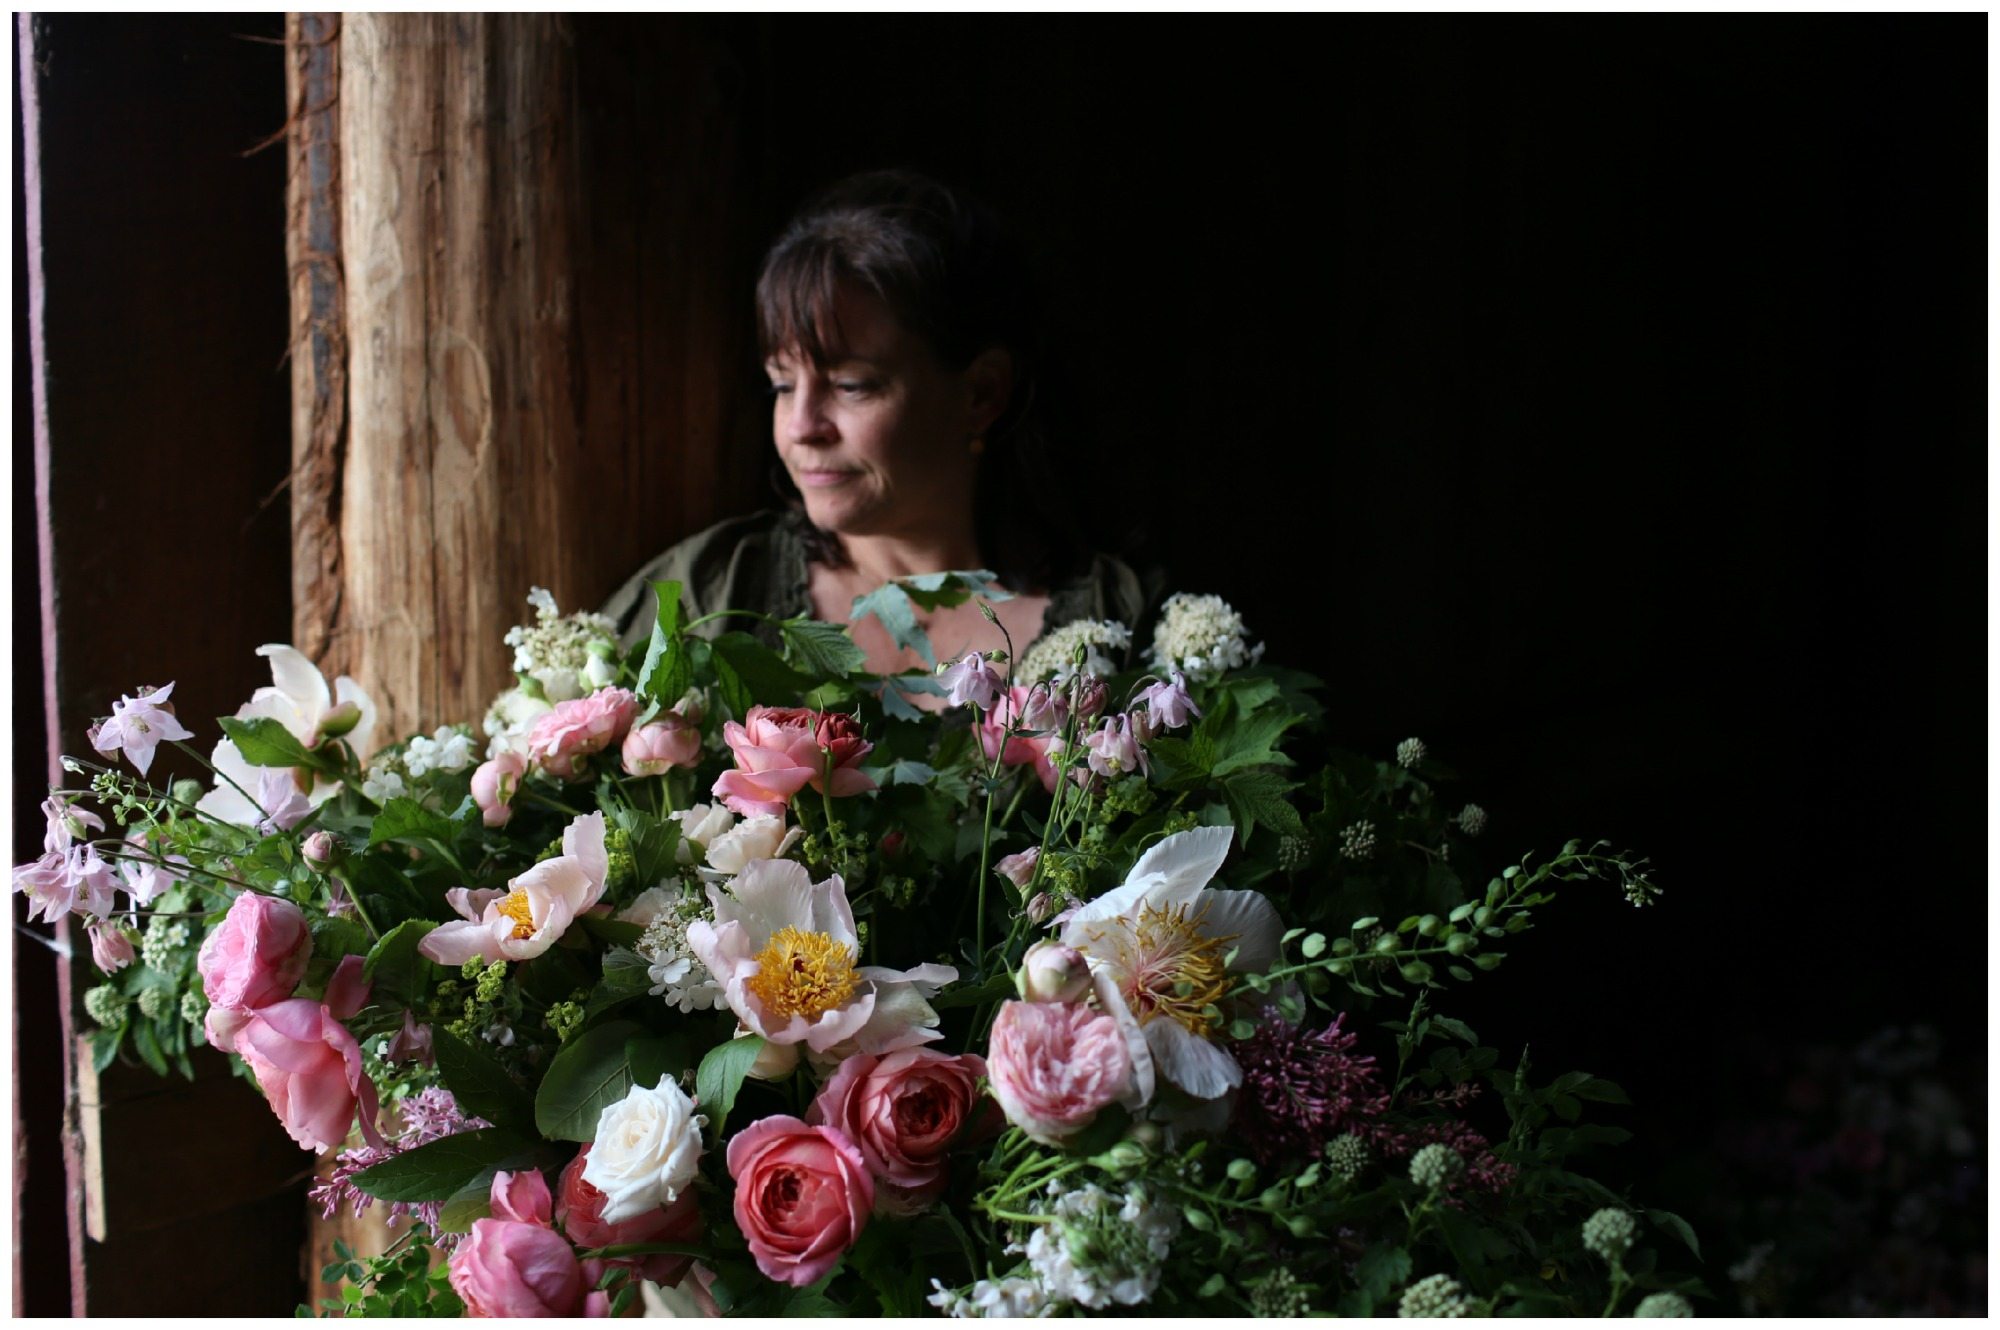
point(973, 680)
point(803, 1195)
point(1168, 705)
point(573, 730)
point(1087, 696)
point(110, 946)
point(75, 880)
point(66, 825)
point(782, 750)
point(1055, 1066)
point(494, 784)
point(1020, 868)
point(137, 726)
point(284, 805)
point(537, 908)
point(1115, 750)
point(784, 949)
point(657, 747)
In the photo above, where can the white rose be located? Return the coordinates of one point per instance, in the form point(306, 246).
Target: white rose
point(700, 825)
point(648, 1145)
point(762, 837)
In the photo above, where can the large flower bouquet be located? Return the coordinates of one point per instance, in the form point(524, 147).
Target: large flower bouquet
point(1015, 988)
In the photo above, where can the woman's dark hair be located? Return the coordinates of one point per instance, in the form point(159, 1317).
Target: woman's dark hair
point(946, 268)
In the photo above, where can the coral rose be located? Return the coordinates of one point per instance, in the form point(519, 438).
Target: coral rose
point(580, 1211)
point(781, 750)
point(803, 1195)
point(903, 1111)
point(577, 728)
point(1054, 1066)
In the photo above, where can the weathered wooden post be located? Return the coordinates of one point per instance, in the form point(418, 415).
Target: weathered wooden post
point(518, 304)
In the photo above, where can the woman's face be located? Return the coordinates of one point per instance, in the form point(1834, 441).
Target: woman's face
point(879, 439)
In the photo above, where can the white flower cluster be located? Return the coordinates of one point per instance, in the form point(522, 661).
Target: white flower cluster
point(450, 749)
point(678, 975)
point(1201, 636)
point(1013, 1295)
point(508, 720)
point(1103, 1248)
point(1410, 752)
point(1434, 1296)
point(1054, 657)
point(1358, 840)
point(568, 655)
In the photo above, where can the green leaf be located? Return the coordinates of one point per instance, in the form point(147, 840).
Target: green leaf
point(1677, 1226)
point(394, 966)
point(894, 609)
point(1381, 1269)
point(437, 1171)
point(668, 670)
point(617, 931)
point(586, 1077)
point(408, 820)
point(763, 672)
point(1314, 944)
point(1249, 743)
point(480, 1084)
point(819, 648)
point(472, 1201)
point(729, 685)
point(992, 989)
point(147, 1045)
point(266, 743)
point(652, 842)
point(721, 1076)
point(1259, 797)
point(652, 1057)
point(1457, 1029)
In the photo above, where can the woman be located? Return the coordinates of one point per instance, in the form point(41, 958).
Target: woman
point(899, 344)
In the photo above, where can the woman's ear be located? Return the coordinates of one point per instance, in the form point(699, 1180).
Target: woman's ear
point(989, 382)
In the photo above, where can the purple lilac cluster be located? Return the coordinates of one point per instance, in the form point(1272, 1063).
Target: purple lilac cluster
point(428, 1115)
point(1484, 1170)
point(1303, 1088)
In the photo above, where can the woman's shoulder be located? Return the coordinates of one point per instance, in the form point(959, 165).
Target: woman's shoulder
point(755, 562)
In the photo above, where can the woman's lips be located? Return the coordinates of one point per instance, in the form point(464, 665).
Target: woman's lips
point(825, 479)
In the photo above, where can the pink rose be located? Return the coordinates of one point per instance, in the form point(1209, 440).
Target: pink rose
point(1024, 709)
point(668, 741)
point(515, 1264)
point(256, 956)
point(1054, 1066)
point(494, 783)
point(309, 1068)
point(579, 727)
point(781, 750)
point(580, 1211)
point(110, 946)
point(803, 1195)
point(903, 1111)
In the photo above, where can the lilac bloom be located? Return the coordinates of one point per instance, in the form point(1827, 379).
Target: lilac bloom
point(137, 725)
point(278, 796)
point(1168, 704)
point(973, 680)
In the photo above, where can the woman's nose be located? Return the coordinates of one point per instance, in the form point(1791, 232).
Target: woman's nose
point(805, 420)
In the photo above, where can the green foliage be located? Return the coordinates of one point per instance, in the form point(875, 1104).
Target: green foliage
point(721, 1077)
point(435, 1171)
point(591, 1073)
point(405, 1281)
point(265, 742)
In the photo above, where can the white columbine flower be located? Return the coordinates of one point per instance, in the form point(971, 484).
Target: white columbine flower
point(646, 1151)
point(1054, 656)
point(1157, 947)
point(1201, 635)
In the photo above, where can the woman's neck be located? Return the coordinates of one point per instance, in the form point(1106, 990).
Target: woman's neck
point(879, 559)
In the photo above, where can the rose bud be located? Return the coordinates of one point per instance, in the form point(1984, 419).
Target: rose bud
point(1052, 972)
point(321, 849)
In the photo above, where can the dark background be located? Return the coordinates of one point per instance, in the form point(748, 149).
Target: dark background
point(1601, 399)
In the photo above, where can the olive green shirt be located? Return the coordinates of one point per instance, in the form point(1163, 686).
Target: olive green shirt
point(759, 563)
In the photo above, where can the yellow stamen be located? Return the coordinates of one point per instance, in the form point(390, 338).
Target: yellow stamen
point(803, 974)
point(515, 906)
point(1180, 972)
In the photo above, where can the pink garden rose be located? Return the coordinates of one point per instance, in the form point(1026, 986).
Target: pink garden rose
point(1054, 1066)
point(578, 728)
point(494, 783)
point(667, 741)
point(781, 750)
point(514, 1264)
point(309, 1066)
point(580, 1211)
point(903, 1111)
point(256, 956)
point(1034, 708)
point(803, 1195)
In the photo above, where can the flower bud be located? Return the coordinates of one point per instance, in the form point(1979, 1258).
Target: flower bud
point(1052, 972)
point(665, 742)
point(1020, 868)
point(601, 667)
point(1087, 696)
point(321, 849)
point(110, 946)
point(186, 791)
point(1041, 907)
point(1121, 1160)
point(775, 1061)
point(340, 720)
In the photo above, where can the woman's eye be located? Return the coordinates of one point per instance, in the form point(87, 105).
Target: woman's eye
point(780, 389)
point(855, 386)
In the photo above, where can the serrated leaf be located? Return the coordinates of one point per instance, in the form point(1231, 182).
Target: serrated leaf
point(652, 842)
point(893, 608)
point(586, 1077)
point(1457, 1029)
point(481, 1085)
point(437, 1171)
point(264, 742)
point(819, 648)
point(1256, 797)
point(721, 1075)
point(407, 820)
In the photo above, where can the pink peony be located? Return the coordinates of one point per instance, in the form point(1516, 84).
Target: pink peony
point(514, 1264)
point(309, 1068)
point(255, 957)
point(578, 728)
point(494, 784)
point(655, 748)
point(1054, 1066)
point(110, 946)
point(803, 1195)
point(781, 750)
point(137, 726)
point(903, 1111)
point(536, 909)
point(580, 1211)
point(1035, 709)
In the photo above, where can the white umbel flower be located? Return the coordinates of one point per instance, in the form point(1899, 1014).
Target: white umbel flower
point(1472, 819)
point(1409, 753)
point(1358, 841)
point(556, 650)
point(677, 973)
point(1434, 1295)
point(1014, 1295)
point(1103, 1249)
point(1054, 656)
point(1201, 636)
